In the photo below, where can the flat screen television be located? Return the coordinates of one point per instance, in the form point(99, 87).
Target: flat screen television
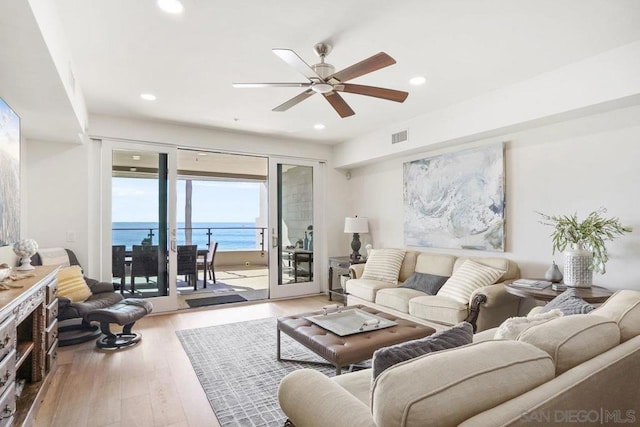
point(9, 175)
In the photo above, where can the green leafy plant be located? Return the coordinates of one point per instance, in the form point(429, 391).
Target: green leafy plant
point(591, 234)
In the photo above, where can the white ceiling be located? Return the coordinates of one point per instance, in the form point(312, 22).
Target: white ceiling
point(122, 48)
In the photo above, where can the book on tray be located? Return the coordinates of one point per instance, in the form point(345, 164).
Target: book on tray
point(531, 283)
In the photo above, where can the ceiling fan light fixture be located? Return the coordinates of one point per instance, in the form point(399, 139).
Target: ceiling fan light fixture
point(321, 88)
point(323, 79)
point(323, 69)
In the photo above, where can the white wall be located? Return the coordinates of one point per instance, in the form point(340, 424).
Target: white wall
point(600, 83)
point(56, 192)
point(574, 166)
point(7, 256)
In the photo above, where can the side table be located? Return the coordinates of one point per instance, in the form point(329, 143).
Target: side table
point(338, 266)
point(592, 295)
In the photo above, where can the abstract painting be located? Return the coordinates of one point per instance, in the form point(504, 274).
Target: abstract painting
point(9, 175)
point(456, 200)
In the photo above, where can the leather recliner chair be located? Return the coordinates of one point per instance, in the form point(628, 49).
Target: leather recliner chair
point(72, 327)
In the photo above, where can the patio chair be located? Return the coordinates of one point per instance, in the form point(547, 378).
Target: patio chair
point(187, 263)
point(118, 264)
point(144, 263)
point(209, 267)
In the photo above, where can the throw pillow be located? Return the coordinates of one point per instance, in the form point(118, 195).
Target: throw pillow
point(428, 283)
point(569, 302)
point(384, 265)
point(470, 276)
point(71, 284)
point(386, 357)
point(513, 326)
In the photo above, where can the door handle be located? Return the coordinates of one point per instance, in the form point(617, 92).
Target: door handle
point(274, 241)
point(173, 245)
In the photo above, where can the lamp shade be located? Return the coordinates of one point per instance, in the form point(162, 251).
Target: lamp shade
point(356, 225)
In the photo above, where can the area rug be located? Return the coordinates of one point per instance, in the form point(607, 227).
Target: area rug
point(237, 368)
point(222, 299)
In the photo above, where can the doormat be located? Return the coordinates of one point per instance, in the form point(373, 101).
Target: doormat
point(223, 299)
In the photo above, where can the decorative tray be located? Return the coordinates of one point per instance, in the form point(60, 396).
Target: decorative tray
point(350, 321)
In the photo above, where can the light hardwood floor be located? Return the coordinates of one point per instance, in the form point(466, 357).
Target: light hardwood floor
point(152, 383)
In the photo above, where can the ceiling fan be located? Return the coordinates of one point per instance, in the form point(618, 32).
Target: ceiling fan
point(324, 80)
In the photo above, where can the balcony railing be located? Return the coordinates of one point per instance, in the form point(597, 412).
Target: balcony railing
point(228, 238)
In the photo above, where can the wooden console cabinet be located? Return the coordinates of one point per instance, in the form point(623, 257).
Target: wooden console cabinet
point(28, 344)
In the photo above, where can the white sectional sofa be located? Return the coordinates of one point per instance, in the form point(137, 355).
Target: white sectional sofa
point(581, 369)
point(486, 308)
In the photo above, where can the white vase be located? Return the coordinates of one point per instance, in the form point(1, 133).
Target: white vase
point(577, 267)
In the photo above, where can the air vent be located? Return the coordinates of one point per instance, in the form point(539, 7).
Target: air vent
point(401, 136)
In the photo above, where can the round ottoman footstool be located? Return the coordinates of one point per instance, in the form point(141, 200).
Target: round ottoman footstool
point(125, 313)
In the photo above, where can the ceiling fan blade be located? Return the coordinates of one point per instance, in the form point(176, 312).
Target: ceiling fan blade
point(373, 63)
point(291, 58)
point(295, 100)
point(378, 92)
point(339, 104)
point(249, 85)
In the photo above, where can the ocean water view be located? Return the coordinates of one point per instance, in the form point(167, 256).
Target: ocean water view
point(229, 235)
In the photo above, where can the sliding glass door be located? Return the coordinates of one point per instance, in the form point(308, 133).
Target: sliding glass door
point(293, 222)
point(139, 224)
point(142, 185)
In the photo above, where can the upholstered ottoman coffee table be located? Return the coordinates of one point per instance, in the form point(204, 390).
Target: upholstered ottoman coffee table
point(352, 347)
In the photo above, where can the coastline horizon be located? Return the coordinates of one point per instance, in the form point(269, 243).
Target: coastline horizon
point(229, 235)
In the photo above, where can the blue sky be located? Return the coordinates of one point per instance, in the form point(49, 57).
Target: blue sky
point(136, 200)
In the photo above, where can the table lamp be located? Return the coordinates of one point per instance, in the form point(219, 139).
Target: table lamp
point(356, 226)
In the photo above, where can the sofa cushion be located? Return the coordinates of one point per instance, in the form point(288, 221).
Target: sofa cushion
point(396, 298)
point(366, 289)
point(71, 284)
point(470, 276)
point(430, 284)
point(408, 265)
point(568, 302)
point(438, 389)
point(486, 335)
point(385, 357)
point(623, 307)
point(571, 340)
point(357, 383)
point(433, 263)
point(384, 265)
point(514, 326)
point(438, 309)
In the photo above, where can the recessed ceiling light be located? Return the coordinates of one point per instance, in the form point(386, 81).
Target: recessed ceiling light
point(318, 126)
point(202, 154)
point(171, 6)
point(135, 157)
point(148, 96)
point(417, 81)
